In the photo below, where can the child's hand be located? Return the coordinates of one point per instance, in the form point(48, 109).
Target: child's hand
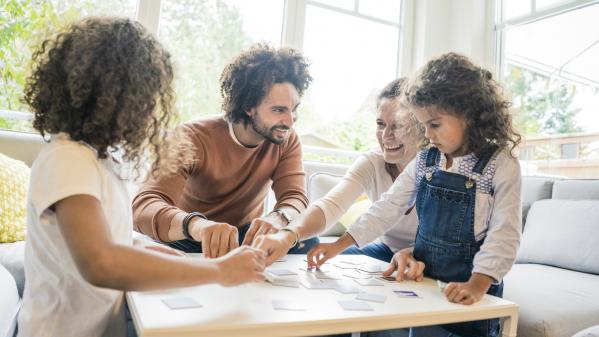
point(406, 265)
point(241, 265)
point(468, 292)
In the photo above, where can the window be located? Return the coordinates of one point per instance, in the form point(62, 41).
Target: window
point(548, 63)
point(204, 36)
point(354, 52)
point(23, 26)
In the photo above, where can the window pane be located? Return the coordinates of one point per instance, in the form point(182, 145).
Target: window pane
point(515, 8)
point(352, 59)
point(382, 9)
point(544, 4)
point(204, 36)
point(23, 27)
point(343, 4)
point(550, 69)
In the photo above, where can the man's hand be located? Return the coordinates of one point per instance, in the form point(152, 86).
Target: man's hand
point(260, 226)
point(217, 238)
point(407, 266)
point(241, 265)
point(468, 292)
point(274, 245)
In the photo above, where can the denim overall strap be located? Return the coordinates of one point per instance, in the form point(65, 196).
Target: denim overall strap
point(445, 239)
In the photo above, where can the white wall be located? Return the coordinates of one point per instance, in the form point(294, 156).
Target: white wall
point(434, 27)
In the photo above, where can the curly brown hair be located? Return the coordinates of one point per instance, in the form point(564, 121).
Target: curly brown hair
point(106, 82)
point(455, 84)
point(247, 80)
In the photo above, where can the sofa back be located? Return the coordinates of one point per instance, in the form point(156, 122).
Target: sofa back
point(20, 145)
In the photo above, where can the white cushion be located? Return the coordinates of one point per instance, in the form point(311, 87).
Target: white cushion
point(553, 302)
point(10, 303)
point(319, 184)
point(590, 332)
point(562, 233)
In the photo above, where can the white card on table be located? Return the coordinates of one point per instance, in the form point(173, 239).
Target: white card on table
point(347, 289)
point(369, 282)
point(372, 268)
point(285, 283)
point(315, 270)
point(371, 297)
point(316, 284)
point(175, 303)
point(341, 265)
point(351, 261)
point(281, 272)
point(355, 306)
point(288, 305)
point(355, 275)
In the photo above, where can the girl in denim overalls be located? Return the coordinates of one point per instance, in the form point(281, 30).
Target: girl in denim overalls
point(465, 188)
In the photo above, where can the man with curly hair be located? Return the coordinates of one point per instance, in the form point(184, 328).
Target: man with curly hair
point(216, 204)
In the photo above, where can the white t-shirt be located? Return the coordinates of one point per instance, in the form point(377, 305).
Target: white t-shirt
point(57, 300)
point(368, 174)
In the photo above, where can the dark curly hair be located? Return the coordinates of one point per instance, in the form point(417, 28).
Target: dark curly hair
point(247, 80)
point(453, 83)
point(106, 82)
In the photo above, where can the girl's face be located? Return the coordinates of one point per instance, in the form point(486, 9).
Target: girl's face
point(444, 130)
point(398, 146)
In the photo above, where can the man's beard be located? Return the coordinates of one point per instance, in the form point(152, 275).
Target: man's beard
point(263, 131)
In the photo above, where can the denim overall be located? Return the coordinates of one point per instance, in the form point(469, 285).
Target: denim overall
point(445, 240)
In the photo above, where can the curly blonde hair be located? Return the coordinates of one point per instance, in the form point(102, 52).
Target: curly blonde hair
point(453, 83)
point(106, 82)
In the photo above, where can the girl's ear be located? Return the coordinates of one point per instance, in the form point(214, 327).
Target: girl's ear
point(250, 112)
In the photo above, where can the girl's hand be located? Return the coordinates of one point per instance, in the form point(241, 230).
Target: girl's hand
point(241, 265)
point(407, 266)
point(468, 292)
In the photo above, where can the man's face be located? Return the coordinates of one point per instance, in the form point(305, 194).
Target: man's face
point(275, 115)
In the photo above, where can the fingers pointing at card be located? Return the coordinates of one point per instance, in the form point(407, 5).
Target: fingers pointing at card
point(406, 265)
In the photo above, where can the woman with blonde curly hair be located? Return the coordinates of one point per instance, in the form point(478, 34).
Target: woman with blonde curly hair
point(102, 85)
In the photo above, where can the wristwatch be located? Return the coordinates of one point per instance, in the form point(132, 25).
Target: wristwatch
point(284, 214)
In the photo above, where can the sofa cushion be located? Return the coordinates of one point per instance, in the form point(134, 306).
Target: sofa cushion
point(562, 233)
point(10, 303)
point(12, 257)
point(553, 302)
point(589, 332)
point(533, 189)
point(14, 182)
point(576, 189)
point(319, 184)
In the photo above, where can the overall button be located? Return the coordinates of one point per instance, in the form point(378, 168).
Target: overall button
point(469, 183)
point(429, 176)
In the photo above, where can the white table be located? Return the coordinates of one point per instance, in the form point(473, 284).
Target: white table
point(247, 310)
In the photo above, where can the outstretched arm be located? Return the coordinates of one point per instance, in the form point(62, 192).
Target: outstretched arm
point(105, 263)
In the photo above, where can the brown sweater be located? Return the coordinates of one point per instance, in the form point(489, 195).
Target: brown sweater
point(228, 182)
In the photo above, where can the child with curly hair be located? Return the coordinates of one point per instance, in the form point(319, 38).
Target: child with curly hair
point(465, 187)
point(102, 85)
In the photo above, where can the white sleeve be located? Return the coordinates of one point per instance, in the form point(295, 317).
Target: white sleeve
point(64, 171)
point(343, 195)
point(384, 213)
point(498, 252)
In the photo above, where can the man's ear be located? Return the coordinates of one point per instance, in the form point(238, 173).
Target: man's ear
point(250, 112)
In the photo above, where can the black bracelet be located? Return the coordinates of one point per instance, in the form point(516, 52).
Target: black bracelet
point(187, 220)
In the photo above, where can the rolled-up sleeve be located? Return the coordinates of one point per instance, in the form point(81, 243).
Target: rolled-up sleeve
point(289, 178)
